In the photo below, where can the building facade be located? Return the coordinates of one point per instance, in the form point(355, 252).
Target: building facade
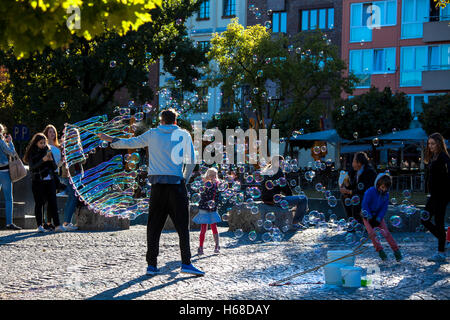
point(401, 44)
point(213, 17)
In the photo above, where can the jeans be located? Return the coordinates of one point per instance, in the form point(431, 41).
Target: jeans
point(6, 186)
point(71, 202)
point(44, 191)
point(302, 207)
point(172, 200)
point(384, 231)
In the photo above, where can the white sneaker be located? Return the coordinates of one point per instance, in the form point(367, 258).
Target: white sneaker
point(41, 229)
point(437, 257)
point(70, 227)
point(60, 228)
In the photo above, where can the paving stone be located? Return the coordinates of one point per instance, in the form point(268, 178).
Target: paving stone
point(111, 265)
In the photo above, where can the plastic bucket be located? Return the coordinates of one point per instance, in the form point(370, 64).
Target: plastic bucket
point(335, 254)
point(333, 274)
point(351, 277)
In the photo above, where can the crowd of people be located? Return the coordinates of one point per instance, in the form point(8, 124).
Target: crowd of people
point(45, 160)
point(169, 196)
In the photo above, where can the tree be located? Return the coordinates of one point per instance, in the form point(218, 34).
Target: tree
point(436, 115)
point(248, 60)
point(61, 86)
point(30, 25)
point(442, 3)
point(372, 113)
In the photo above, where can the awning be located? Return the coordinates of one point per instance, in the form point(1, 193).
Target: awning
point(416, 134)
point(326, 135)
point(367, 147)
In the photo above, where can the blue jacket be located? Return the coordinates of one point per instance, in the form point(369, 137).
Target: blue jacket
point(375, 203)
point(5, 151)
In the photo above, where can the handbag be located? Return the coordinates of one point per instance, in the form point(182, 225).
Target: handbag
point(17, 170)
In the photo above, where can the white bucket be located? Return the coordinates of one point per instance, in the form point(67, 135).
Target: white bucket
point(351, 277)
point(335, 254)
point(333, 274)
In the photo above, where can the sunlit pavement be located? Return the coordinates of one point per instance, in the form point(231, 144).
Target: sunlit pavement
point(111, 265)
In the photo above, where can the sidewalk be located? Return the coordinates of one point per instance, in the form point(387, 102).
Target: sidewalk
point(111, 265)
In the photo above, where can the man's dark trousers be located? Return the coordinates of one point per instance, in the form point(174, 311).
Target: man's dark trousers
point(172, 200)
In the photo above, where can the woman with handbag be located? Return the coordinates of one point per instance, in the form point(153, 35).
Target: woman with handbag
point(42, 166)
point(7, 150)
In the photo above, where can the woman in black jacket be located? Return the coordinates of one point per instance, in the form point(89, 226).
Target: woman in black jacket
point(42, 166)
point(438, 184)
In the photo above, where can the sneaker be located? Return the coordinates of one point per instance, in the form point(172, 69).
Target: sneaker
point(190, 269)
point(70, 227)
point(12, 226)
point(217, 249)
point(62, 194)
point(200, 251)
point(49, 227)
point(60, 229)
point(151, 270)
point(398, 255)
point(382, 255)
point(437, 257)
point(41, 229)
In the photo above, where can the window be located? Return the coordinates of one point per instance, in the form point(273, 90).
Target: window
point(366, 16)
point(364, 63)
point(361, 64)
point(202, 105)
point(226, 104)
point(433, 58)
point(229, 8)
point(414, 14)
point(203, 45)
point(279, 20)
point(413, 61)
point(317, 18)
point(444, 13)
point(203, 12)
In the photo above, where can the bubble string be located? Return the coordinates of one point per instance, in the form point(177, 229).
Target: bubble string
point(357, 251)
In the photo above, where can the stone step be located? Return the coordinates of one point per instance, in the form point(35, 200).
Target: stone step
point(27, 222)
point(18, 209)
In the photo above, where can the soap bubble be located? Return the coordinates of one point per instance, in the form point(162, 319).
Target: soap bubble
point(226, 217)
point(319, 187)
point(316, 149)
point(394, 201)
point(355, 135)
point(360, 186)
point(375, 141)
point(355, 200)
point(348, 202)
point(270, 216)
point(355, 107)
point(268, 24)
point(62, 104)
point(266, 237)
point(333, 218)
point(112, 63)
point(238, 233)
point(424, 215)
point(396, 221)
point(323, 149)
point(259, 223)
point(173, 54)
point(407, 194)
point(254, 210)
point(260, 73)
point(252, 235)
point(268, 225)
point(139, 116)
point(148, 55)
point(332, 201)
point(284, 204)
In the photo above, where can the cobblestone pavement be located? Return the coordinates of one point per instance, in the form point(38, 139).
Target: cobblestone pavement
point(111, 265)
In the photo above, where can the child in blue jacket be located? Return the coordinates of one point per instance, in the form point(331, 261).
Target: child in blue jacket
point(374, 207)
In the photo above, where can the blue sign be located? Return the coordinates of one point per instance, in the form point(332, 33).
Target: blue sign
point(20, 132)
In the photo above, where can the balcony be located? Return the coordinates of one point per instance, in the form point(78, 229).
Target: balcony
point(436, 80)
point(435, 31)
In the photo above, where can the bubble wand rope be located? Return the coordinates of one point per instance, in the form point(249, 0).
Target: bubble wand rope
point(358, 250)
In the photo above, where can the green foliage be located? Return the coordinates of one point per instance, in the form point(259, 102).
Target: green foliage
point(229, 120)
point(442, 3)
point(58, 86)
point(436, 115)
point(370, 112)
point(30, 25)
point(303, 68)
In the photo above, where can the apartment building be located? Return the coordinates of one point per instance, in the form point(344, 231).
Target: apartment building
point(402, 44)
